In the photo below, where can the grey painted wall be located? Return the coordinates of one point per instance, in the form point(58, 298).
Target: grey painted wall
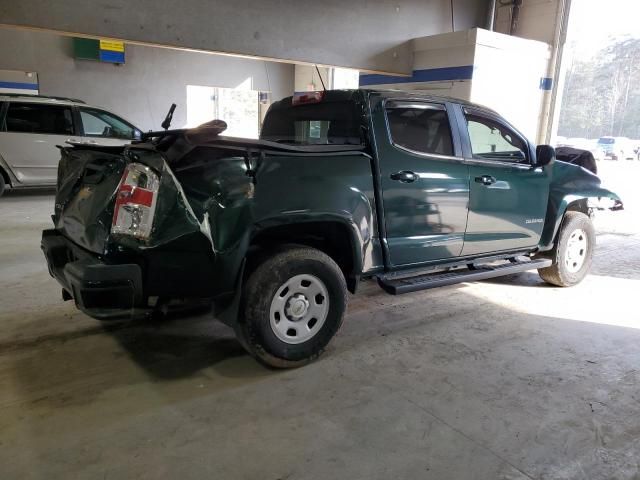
point(142, 89)
point(361, 34)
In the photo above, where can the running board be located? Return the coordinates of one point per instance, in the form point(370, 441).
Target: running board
point(397, 286)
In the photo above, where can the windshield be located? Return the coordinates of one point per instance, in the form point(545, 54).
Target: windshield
point(324, 123)
point(606, 141)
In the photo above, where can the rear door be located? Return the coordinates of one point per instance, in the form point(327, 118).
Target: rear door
point(424, 180)
point(508, 197)
point(105, 128)
point(28, 138)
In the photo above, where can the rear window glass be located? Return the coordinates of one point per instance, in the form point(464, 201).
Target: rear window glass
point(606, 141)
point(325, 123)
point(35, 118)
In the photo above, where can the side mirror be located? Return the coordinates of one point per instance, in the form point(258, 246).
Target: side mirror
point(137, 134)
point(545, 154)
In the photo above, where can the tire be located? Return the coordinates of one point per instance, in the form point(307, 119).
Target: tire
point(3, 185)
point(573, 252)
point(292, 305)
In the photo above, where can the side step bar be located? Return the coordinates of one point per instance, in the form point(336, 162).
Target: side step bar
point(396, 286)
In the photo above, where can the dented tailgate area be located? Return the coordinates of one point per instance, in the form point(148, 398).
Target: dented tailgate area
point(126, 239)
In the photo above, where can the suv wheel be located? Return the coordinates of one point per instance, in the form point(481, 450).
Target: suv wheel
point(573, 252)
point(292, 306)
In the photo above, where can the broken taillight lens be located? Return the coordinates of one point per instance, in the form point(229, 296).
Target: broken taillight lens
point(135, 202)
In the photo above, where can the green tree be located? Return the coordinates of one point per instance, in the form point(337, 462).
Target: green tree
point(602, 94)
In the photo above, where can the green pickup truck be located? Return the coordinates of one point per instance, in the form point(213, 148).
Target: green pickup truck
point(411, 190)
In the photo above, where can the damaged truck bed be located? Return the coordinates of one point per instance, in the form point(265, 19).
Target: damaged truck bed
point(180, 259)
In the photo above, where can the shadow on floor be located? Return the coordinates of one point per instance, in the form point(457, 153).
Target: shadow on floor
point(182, 345)
point(524, 279)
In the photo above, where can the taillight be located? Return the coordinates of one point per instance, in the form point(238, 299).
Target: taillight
point(300, 98)
point(135, 202)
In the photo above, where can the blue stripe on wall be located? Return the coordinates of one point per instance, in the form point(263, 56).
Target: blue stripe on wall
point(546, 83)
point(464, 72)
point(19, 85)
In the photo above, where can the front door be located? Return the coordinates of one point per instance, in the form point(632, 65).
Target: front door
point(28, 139)
point(425, 182)
point(508, 199)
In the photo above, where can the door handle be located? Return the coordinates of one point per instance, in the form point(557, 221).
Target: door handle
point(404, 176)
point(485, 179)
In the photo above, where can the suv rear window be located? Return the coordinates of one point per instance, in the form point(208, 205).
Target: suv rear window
point(324, 123)
point(97, 123)
point(39, 118)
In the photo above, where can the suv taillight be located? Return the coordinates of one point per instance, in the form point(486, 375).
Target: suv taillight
point(135, 202)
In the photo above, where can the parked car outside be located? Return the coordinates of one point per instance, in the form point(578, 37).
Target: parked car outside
point(617, 148)
point(590, 145)
point(413, 190)
point(32, 126)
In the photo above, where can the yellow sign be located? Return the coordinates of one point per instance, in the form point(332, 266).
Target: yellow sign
point(111, 45)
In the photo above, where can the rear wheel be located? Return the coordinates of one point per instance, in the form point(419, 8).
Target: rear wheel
point(3, 185)
point(573, 252)
point(292, 306)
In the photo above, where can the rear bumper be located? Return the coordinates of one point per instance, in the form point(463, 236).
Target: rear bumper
point(101, 290)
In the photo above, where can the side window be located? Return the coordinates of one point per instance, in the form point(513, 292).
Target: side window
point(492, 140)
point(98, 123)
point(421, 127)
point(39, 118)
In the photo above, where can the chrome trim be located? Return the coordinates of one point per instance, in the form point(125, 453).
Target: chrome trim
point(426, 155)
point(413, 104)
point(498, 163)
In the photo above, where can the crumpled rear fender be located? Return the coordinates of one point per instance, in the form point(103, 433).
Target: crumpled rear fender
point(287, 193)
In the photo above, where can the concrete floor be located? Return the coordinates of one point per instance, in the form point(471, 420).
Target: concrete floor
point(504, 379)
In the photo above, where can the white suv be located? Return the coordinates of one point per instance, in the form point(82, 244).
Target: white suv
point(31, 127)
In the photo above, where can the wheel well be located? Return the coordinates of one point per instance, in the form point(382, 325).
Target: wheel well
point(5, 176)
point(581, 205)
point(332, 238)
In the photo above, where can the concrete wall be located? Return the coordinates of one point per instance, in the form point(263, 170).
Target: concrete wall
point(359, 34)
point(143, 88)
point(546, 21)
point(537, 20)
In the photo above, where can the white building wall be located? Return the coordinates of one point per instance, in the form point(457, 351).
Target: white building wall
point(499, 71)
point(507, 78)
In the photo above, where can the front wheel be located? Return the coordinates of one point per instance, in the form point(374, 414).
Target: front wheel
point(573, 252)
point(292, 306)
